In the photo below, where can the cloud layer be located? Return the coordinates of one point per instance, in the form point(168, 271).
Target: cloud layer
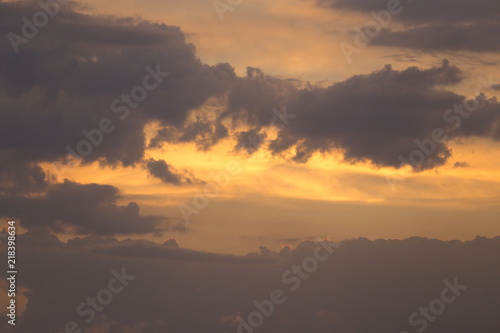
point(81, 209)
point(433, 25)
point(365, 286)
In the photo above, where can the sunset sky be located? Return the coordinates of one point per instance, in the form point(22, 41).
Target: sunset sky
point(349, 185)
point(223, 128)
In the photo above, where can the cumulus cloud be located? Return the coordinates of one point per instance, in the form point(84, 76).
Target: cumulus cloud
point(66, 79)
point(63, 83)
point(374, 117)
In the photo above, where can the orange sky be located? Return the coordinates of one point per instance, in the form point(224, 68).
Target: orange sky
point(324, 196)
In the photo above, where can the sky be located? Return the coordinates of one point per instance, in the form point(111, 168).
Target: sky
point(209, 145)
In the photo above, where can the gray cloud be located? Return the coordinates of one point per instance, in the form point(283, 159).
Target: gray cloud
point(434, 25)
point(161, 170)
point(249, 141)
point(476, 37)
point(171, 243)
point(365, 286)
point(81, 209)
point(461, 165)
point(426, 11)
point(65, 80)
point(147, 249)
point(17, 178)
point(203, 132)
point(374, 117)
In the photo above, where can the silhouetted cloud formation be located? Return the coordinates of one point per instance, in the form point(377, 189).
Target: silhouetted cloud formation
point(68, 78)
point(365, 286)
point(160, 169)
point(433, 25)
point(60, 87)
point(73, 82)
point(81, 209)
point(374, 117)
point(426, 11)
point(477, 37)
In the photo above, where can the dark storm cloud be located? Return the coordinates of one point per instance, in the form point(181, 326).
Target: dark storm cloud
point(53, 95)
point(65, 79)
point(365, 286)
point(426, 11)
point(81, 209)
point(381, 118)
point(374, 117)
